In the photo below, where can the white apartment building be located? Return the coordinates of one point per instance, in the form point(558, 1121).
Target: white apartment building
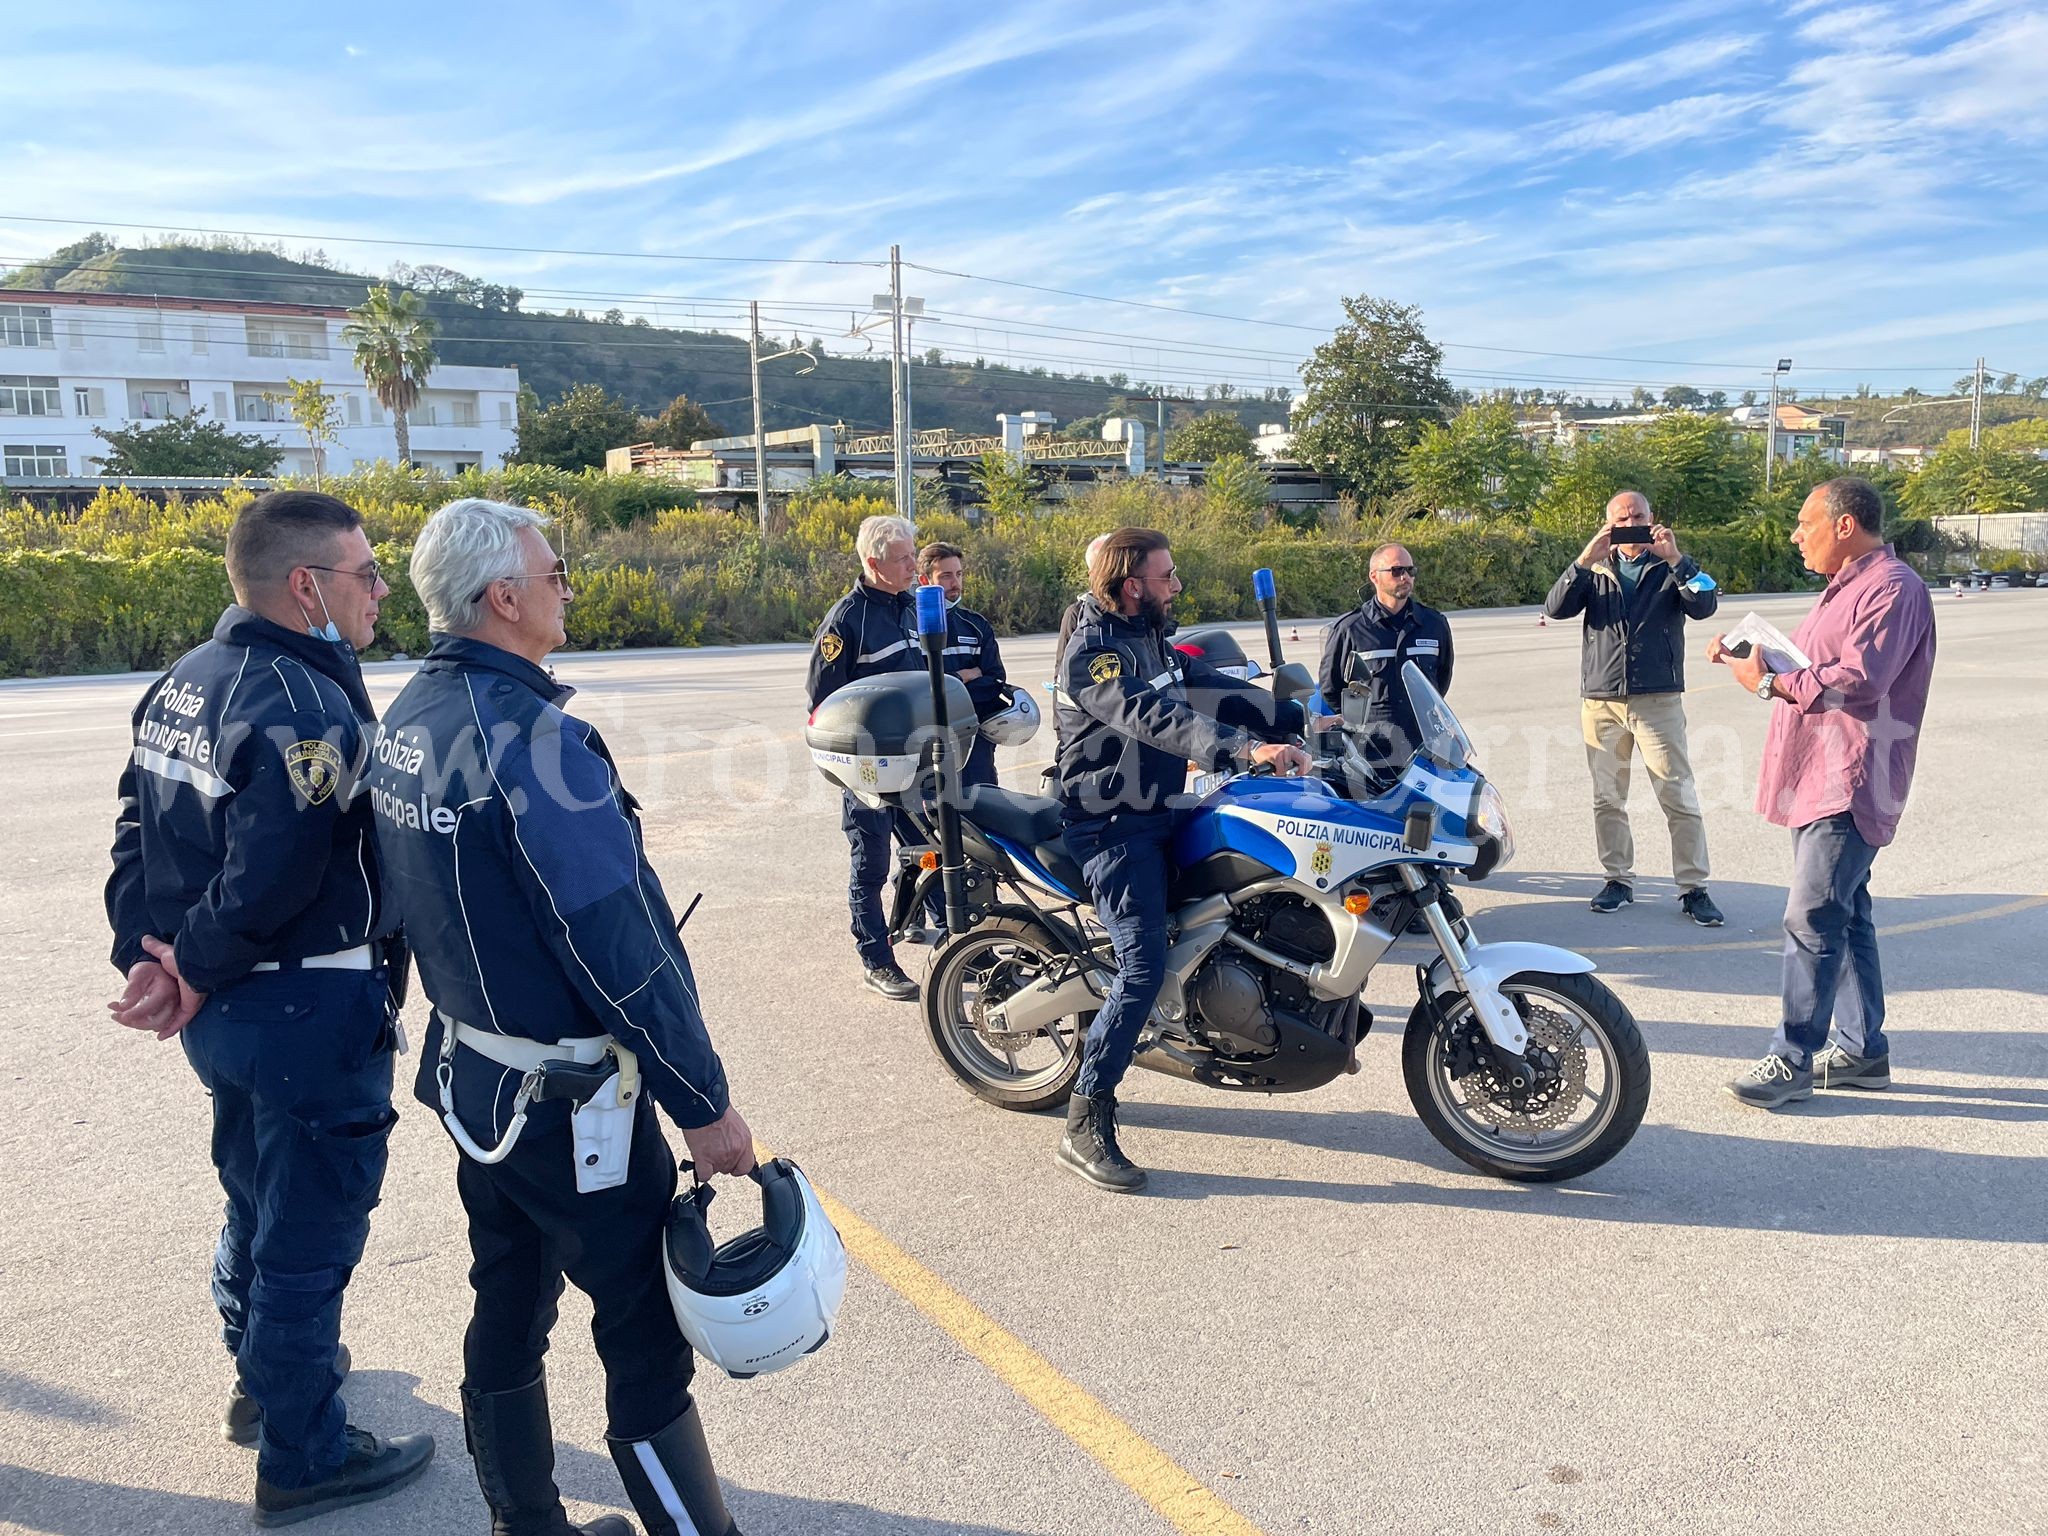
point(70, 362)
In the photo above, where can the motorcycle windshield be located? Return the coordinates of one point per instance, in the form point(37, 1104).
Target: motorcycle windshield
point(1440, 737)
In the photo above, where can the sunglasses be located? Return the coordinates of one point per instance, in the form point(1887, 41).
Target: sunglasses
point(1397, 570)
point(558, 573)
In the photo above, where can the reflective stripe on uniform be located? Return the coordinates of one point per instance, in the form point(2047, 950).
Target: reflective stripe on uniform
point(212, 785)
point(885, 652)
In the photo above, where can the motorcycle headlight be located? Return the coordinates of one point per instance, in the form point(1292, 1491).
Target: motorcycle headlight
point(1490, 815)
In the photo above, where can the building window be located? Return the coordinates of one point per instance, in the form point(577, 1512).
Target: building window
point(463, 466)
point(149, 333)
point(28, 459)
point(87, 401)
point(504, 413)
point(259, 408)
point(355, 410)
point(220, 405)
point(463, 413)
point(74, 330)
point(156, 404)
point(202, 341)
point(26, 325)
point(27, 394)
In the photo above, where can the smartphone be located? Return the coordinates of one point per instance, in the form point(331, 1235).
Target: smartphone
point(1629, 533)
point(1740, 650)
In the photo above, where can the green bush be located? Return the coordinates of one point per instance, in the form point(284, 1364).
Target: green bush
point(71, 611)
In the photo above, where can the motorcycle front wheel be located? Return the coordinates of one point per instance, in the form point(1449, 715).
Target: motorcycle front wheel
point(983, 966)
point(1591, 1082)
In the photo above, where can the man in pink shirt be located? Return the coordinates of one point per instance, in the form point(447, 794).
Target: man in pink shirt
point(1838, 763)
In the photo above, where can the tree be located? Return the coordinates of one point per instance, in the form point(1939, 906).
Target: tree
point(1703, 469)
point(1479, 463)
point(575, 431)
point(185, 445)
point(2007, 382)
point(2004, 474)
point(681, 422)
point(2034, 389)
point(1717, 400)
point(1641, 398)
point(1369, 389)
point(1210, 436)
point(394, 351)
point(1239, 489)
point(1683, 397)
point(318, 415)
point(1749, 397)
point(1008, 488)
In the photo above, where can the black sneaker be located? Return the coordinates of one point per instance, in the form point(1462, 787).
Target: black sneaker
point(1771, 1082)
point(242, 1421)
point(374, 1468)
point(1834, 1067)
point(1614, 895)
point(890, 981)
point(1699, 906)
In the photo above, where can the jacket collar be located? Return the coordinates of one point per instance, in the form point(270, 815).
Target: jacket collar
point(459, 653)
point(896, 600)
point(1860, 566)
point(1376, 609)
point(1092, 612)
point(334, 660)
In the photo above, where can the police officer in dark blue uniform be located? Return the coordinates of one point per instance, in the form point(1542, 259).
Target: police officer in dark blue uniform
point(1134, 712)
point(871, 630)
point(1366, 650)
point(564, 1011)
point(249, 919)
point(972, 654)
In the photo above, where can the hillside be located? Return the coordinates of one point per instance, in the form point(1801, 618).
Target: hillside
point(649, 365)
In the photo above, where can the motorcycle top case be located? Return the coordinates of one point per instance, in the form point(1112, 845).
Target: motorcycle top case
point(869, 736)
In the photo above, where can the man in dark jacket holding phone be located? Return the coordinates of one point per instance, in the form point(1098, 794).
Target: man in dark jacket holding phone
point(1636, 591)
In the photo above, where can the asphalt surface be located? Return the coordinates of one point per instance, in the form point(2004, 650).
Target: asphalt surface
point(1828, 1319)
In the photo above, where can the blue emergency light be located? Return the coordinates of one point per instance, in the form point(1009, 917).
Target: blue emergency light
point(931, 610)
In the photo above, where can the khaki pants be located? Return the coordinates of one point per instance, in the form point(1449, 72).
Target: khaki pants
point(1653, 724)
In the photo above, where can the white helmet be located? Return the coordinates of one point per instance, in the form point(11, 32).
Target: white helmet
point(1016, 721)
point(767, 1298)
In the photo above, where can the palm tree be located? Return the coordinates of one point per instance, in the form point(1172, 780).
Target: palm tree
point(394, 341)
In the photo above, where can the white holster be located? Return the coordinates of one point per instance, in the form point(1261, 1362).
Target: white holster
point(601, 1127)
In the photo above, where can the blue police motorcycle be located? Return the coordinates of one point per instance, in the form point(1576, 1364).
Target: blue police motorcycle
point(1287, 892)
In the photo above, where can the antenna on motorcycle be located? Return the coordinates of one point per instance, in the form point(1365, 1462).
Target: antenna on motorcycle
point(931, 629)
point(1263, 589)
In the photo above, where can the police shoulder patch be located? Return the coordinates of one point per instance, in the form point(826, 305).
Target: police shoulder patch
point(829, 647)
point(314, 767)
point(1107, 667)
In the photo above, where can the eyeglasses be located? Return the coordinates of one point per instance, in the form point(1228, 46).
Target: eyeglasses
point(1397, 570)
point(558, 573)
point(370, 575)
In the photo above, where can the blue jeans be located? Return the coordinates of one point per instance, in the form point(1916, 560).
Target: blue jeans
point(1827, 922)
point(298, 1064)
point(1123, 857)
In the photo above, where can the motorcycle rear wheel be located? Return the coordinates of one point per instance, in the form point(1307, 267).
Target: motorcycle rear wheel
point(1595, 1061)
point(983, 965)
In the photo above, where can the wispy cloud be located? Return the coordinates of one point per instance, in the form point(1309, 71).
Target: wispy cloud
point(1681, 61)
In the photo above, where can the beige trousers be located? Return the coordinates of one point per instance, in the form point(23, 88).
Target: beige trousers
point(1654, 725)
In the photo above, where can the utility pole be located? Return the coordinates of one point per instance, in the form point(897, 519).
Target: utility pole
point(1977, 405)
point(1771, 427)
point(1160, 447)
point(899, 374)
point(760, 445)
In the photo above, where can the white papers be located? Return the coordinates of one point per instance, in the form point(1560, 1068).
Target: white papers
point(1780, 654)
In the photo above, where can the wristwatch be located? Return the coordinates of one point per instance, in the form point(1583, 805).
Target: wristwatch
point(1763, 687)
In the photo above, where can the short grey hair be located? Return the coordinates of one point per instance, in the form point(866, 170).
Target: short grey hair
point(878, 533)
point(463, 548)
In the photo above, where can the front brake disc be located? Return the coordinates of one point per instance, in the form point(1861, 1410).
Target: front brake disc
point(1560, 1086)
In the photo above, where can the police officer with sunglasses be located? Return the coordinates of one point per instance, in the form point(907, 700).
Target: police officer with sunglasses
point(1366, 649)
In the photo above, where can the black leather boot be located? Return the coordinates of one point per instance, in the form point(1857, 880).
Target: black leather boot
point(241, 1422)
point(512, 1439)
point(668, 1477)
point(374, 1468)
point(1090, 1149)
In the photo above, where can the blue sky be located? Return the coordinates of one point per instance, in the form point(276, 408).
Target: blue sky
point(1696, 187)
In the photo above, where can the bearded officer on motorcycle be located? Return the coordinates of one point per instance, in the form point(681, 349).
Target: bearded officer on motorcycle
point(872, 630)
point(249, 920)
point(1133, 714)
point(564, 1010)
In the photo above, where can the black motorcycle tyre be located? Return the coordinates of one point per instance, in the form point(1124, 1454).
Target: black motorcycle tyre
point(1631, 1065)
point(942, 985)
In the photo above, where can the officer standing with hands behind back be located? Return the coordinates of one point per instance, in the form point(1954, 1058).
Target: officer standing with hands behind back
point(250, 923)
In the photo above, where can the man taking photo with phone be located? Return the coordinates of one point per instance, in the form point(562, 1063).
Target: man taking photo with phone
point(1636, 591)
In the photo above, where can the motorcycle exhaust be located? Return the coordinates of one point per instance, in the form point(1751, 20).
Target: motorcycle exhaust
point(931, 629)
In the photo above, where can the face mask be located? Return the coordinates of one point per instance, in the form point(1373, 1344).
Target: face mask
point(953, 602)
point(330, 631)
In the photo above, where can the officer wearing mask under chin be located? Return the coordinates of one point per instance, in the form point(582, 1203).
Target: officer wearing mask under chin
point(1134, 713)
point(250, 920)
point(971, 653)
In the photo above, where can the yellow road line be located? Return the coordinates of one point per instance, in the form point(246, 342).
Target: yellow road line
point(1773, 946)
point(1181, 1500)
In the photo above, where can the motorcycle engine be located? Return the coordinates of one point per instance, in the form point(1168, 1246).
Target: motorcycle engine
point(1228, 996)
point(1295, 929)
point(1233, 998)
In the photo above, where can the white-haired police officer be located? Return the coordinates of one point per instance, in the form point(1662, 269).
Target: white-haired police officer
point(872, 630)
point(564, 1010)
point(1134, 712)
point(249, 920)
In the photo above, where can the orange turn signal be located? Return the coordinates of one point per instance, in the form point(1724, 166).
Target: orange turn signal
point(1358, 903)
point(928, 861)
